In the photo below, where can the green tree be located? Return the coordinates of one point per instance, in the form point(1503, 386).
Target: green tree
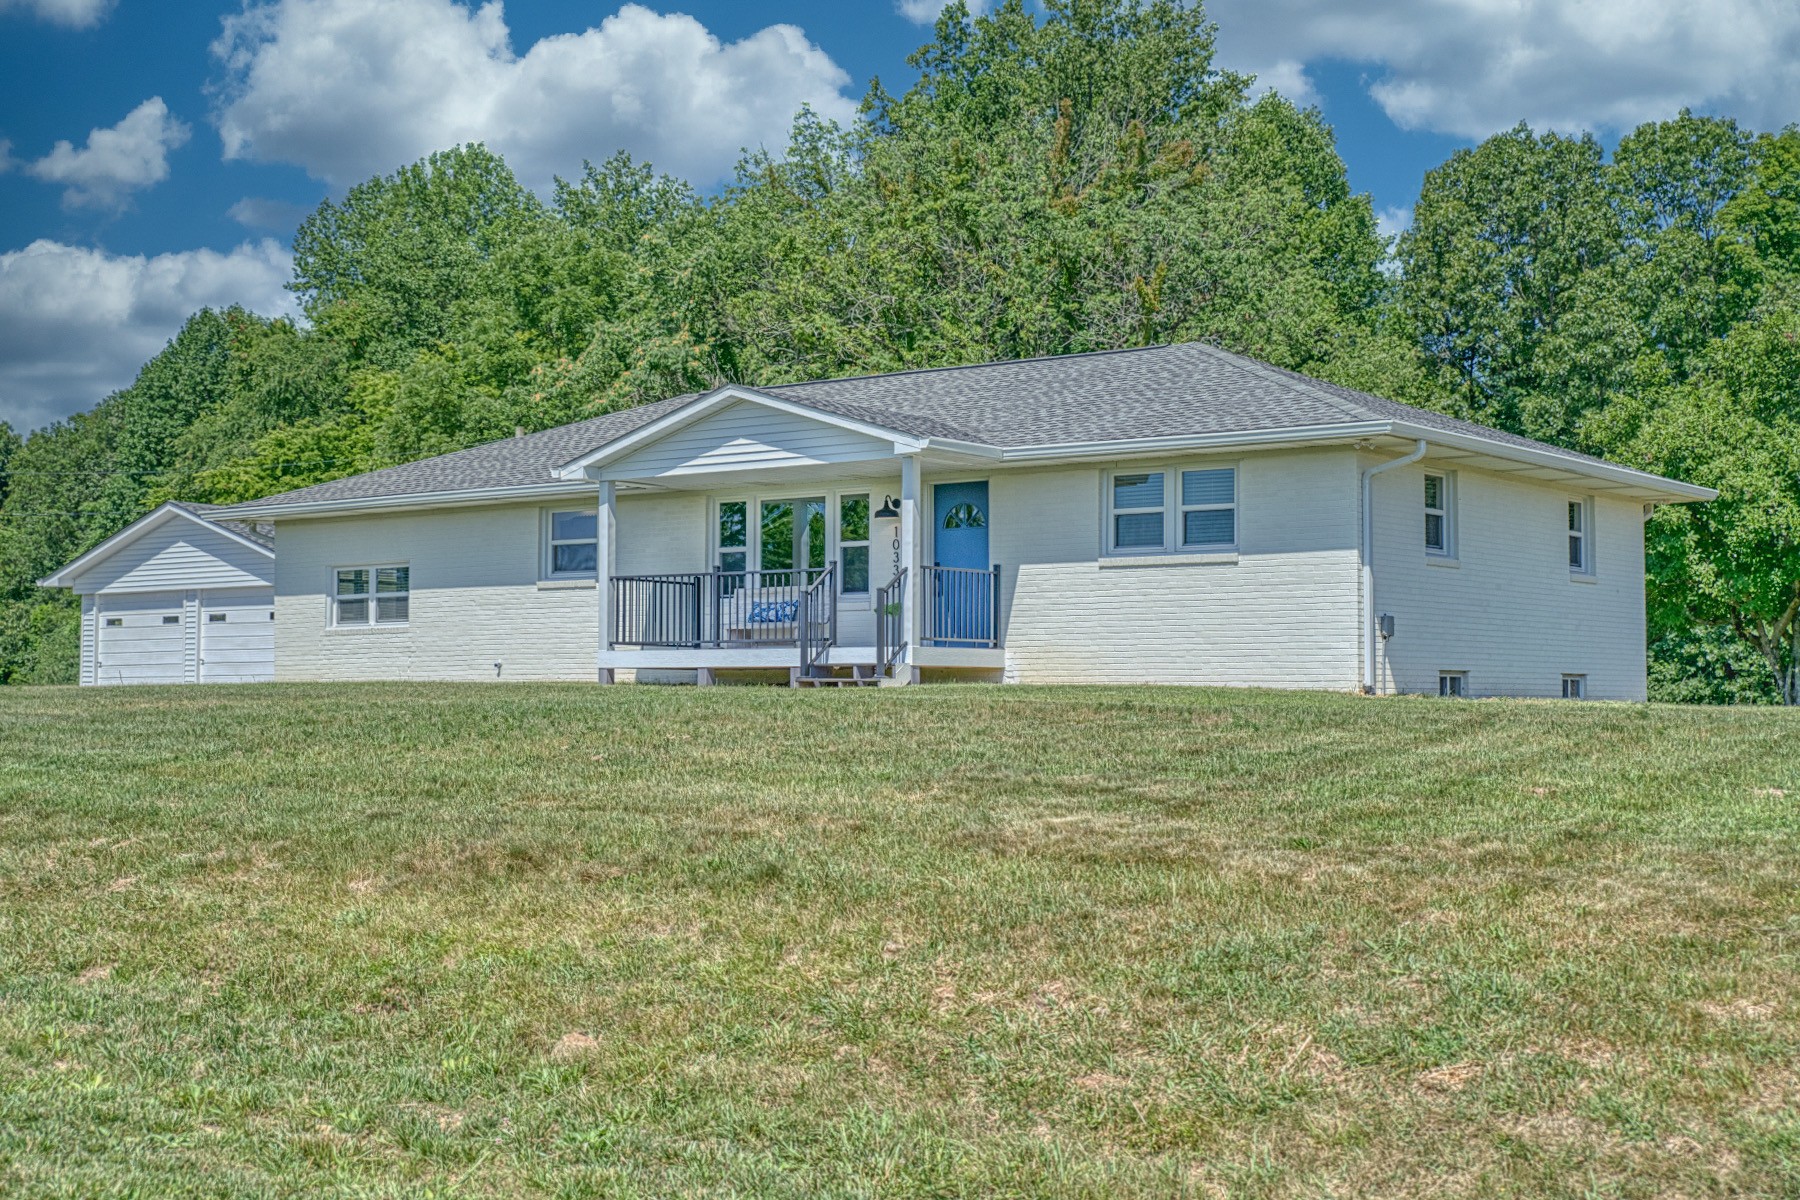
point(1685, 278)
point(388, 269)
point(1733, 562)
point(1503, 253)
point(10, 442)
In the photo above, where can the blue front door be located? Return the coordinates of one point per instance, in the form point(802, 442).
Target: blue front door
point(962, 607)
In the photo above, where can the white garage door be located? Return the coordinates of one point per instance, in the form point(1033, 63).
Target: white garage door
point(237, 637)
point(142, 639)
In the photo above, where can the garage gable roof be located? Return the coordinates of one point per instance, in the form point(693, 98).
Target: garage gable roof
point(256, 536)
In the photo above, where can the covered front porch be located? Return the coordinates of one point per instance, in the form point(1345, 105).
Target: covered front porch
point(747, 538)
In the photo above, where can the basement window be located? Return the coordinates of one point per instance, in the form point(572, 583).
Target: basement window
point(114, 622)
point(215, 618)
point(1574, 687)
point(171, 620)
point(1453, 684)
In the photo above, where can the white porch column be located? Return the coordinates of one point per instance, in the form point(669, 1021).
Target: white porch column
point(912, 549)
point(605, 561)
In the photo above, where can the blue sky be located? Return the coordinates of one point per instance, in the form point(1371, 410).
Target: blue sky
point(155, 156)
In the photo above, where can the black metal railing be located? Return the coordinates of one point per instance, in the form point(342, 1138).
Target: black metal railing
point(816, 624)
point(890, 622)
point(721, 609)
point(960, 606)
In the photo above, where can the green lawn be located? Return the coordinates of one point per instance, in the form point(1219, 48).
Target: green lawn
point(570, 941)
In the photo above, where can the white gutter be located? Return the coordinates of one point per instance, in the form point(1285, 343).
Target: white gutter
point(1553, 459)
point(1053, 451)
point(1368, 557)
point(465, 496)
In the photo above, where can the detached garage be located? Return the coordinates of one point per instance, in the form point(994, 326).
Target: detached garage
point(177, 597)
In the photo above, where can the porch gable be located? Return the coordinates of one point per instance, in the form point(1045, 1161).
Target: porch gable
point(736, 430)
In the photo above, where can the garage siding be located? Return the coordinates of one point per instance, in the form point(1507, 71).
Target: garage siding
point(89, 641)
point(177, 555)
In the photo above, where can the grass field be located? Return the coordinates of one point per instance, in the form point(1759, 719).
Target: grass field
point(503, 940)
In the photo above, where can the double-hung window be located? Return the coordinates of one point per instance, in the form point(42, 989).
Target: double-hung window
point(1438, 531)
point(1171, 511)
point(1208, 509)
point(363, 596)
point(853, 543)
point(573, 543)
point(1581, 550)
point(1139, 512)
point(734, 536)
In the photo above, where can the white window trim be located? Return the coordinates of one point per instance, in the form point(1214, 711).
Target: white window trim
point(371, 625)
point(1464, 694)
point(547, 571)
point(1580, 682)
point(836, 545)
point(1447, 552)
point(1586, 533)
point(752, 547)
point(1173, 511)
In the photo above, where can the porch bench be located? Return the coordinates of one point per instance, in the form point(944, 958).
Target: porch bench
point(762, 615)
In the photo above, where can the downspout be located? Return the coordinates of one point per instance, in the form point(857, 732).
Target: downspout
point(1368, 557)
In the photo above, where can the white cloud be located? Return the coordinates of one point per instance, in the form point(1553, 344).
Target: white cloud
point(925, 12)
point(348, 89)
point(77, 14)
point(1392, 222)
point(132, 154)
point(1285, 76)
point(1473, 67)
point(260, 212)
point(77, 323)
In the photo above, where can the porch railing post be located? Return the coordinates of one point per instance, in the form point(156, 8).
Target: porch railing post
point(605, 562)
point(912, 550)
point(994, 629)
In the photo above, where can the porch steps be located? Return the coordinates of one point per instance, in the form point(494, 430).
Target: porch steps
point(860, 676)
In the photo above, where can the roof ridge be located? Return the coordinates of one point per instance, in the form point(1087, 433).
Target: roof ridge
point(1003, 362)
point(1251, 366)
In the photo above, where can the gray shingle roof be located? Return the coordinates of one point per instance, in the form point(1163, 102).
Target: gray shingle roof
point(1114, 396)
point(260, 532)
point(508, 463)
point(1117, 395)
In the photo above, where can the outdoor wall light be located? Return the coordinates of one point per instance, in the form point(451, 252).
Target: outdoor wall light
point(887, 511)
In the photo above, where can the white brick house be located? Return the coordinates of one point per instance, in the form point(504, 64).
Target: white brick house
point(1175, 514)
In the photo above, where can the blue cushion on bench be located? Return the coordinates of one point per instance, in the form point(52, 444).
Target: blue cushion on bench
point(774, 611)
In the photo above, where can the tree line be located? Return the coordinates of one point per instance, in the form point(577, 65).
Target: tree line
point(1081, 179)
